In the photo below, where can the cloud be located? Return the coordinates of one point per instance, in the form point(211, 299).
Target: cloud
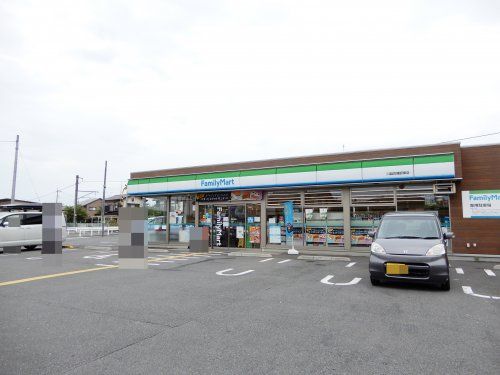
point(160, 84)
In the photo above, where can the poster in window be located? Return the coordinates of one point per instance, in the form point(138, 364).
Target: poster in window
point(323, 212)
point(275, 234)
point(309, 213)
point(240, 232)
point(254, 234)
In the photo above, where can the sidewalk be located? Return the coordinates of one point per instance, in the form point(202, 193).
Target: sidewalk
point(321, 253)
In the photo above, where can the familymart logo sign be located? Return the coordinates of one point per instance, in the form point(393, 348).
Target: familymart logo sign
point(481, 204)
point(218, 183)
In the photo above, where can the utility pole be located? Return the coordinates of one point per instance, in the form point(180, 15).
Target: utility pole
point(76, 200)
point(103, 204)
point(13, 195)
point(57, 195)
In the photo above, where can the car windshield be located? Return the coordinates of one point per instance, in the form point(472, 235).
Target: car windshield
point(409, 227)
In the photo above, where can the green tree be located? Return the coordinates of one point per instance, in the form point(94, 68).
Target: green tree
point(81, 214)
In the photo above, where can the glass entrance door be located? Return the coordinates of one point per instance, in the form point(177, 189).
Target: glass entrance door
point(220, 226)
point(237, 226)
point(232, 225)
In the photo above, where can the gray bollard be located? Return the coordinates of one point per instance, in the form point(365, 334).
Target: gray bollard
point(52, 228)
point(14, 222)
point(132, 238)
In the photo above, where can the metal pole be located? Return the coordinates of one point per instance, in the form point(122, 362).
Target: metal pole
point(103, 204)
point(76, 200)
point(13, 195)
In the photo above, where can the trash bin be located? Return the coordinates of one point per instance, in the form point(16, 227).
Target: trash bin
point(198, 239)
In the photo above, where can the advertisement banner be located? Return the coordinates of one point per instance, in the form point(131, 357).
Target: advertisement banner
point(289, 221)
point(481, 204)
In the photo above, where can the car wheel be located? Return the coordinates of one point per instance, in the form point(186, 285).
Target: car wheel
point(30, 247)
point(446, 285)
point(374, 281)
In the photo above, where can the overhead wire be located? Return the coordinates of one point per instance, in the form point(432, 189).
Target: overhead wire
point(476, 136)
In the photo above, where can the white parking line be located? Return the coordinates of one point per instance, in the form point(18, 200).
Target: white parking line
point(459, 271)
point(104, 265)
point(284, 261)
point(489, 272)
point(468, 290)
point(165, 261)
point(154, 264)
point(351, 264)
point(265, 260)
point(34, 258)
point(223, 272)
point(326, 280)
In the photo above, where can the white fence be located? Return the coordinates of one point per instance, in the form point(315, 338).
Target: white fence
point(85, 231)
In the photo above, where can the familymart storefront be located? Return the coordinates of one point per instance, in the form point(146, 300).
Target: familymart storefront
point(336, 199)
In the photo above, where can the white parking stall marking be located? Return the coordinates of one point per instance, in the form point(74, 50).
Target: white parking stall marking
point(489, 272)
point(223, 272)
point(351, 264)
point(34, 258)
point(98, 257)
point(265, 260)
point(460, 271)
point(104, 265)
point(165, 261)
point(284, 261)
point(154, 264)
point(468, 290)
point(326, 280)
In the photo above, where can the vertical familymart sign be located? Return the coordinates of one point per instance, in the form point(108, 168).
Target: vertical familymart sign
point(481, 204)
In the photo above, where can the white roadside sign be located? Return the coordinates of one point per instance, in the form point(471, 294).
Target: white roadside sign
point(481, 204)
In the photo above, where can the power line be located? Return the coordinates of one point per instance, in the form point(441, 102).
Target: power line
point(476, 136)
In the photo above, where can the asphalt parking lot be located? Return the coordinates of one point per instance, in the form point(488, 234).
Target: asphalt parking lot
point(212, 313)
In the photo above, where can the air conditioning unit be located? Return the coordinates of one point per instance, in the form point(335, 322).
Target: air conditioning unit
point(444, 188)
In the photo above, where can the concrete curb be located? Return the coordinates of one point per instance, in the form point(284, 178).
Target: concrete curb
point(322, 257)
point(244, 254)
point(472, 258)
point(496, 267)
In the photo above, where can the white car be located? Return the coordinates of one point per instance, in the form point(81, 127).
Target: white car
point(29, 234)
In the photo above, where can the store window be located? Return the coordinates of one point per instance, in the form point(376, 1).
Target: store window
point(422, 198)
point(368, 207)
point(253, 228)
point(275, 217)
point(323, 218)
point(156, 221)
point(181, 217)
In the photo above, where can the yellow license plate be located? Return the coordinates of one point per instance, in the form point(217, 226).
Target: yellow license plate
point(396, 269)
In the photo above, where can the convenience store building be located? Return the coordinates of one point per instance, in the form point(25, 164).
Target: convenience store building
point(333, 195)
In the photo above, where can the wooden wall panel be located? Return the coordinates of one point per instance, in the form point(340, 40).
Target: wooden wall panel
point(480, 169)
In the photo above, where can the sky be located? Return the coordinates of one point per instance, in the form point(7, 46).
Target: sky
point(162, 84)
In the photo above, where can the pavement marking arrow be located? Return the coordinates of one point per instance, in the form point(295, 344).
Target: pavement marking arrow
point(468, 290)
point(326, 280)
point(223, 272)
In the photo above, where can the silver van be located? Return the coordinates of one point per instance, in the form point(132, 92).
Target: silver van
point(28, 234)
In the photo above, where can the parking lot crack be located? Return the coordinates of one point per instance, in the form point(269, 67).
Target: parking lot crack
point(138, 341)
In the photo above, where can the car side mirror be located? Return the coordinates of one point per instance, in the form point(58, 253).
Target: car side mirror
point(5, 224)
point(372, 233)
point(449, 235)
